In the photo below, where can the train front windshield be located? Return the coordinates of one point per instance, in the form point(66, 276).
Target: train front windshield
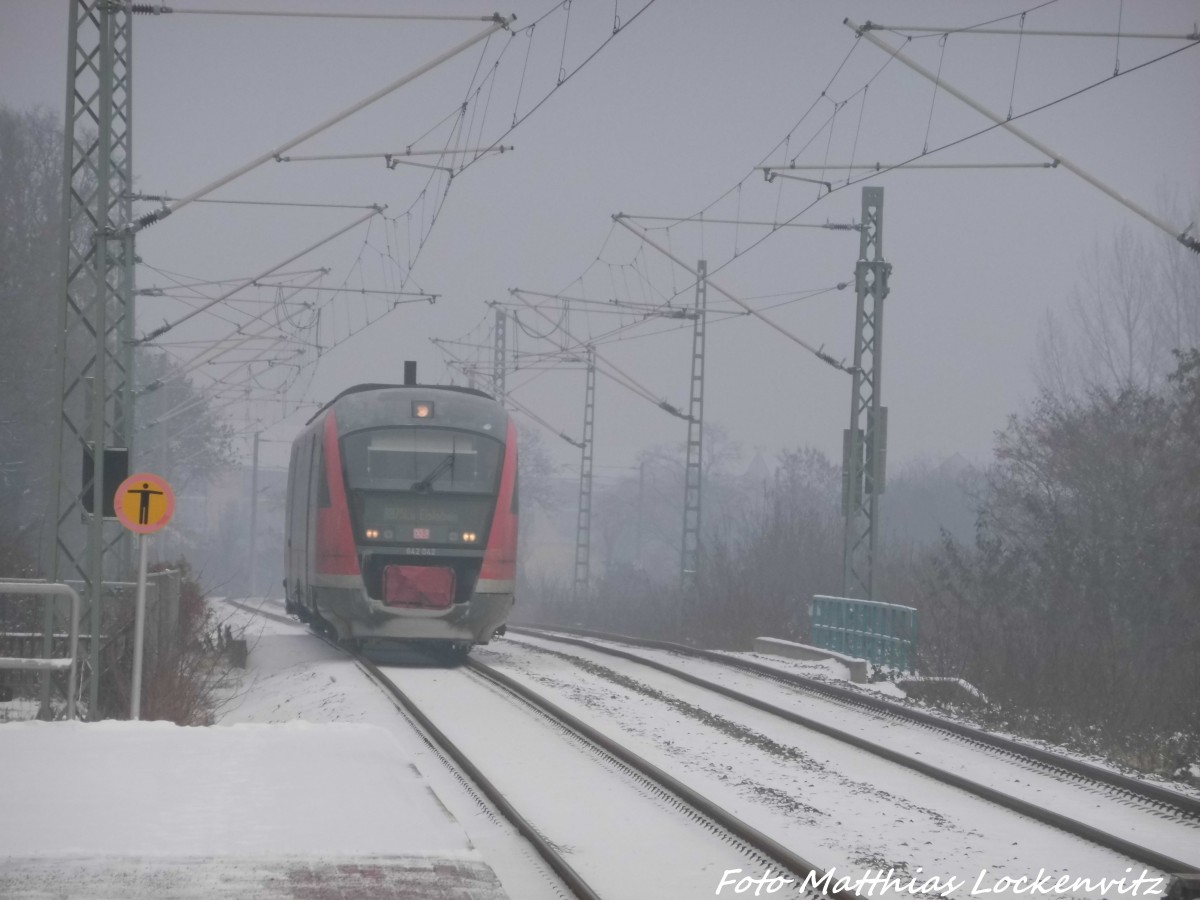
point(421, 485)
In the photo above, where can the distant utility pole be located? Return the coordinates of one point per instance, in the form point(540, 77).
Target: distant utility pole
point(500, 355)
point(94, 363)
point(689, 560)
point(583, 524)
point(864, 444)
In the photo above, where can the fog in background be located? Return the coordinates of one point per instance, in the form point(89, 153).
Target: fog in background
point(668, 118)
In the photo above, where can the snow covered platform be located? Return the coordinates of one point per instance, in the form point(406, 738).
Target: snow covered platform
point(149, 809)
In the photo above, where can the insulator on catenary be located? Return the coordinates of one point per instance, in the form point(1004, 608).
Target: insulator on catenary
point(150, 218)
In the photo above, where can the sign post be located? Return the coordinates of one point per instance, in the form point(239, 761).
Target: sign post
point(144, 504)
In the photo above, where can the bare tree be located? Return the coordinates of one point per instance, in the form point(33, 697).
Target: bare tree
point(1139, 300)
point(1077, 610)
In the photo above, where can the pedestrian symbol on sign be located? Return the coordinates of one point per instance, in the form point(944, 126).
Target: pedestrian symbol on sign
point(144, 507)
point(144, 503)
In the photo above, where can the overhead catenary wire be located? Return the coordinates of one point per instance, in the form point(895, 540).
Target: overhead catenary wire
point(420, 295)
point(894, 52)
point(197, 282)
point(509, 400)
point(152, 9)
point(781, 171)
point(904, 30)
point(397, 155)
point(677, 220)
point(1184, 237)
point(218, 349)
point(783, 145)
point(497, 24)
point(815, 351)
point(563, 77)
point(163, 198)
point(617, 374)
point(163, 329)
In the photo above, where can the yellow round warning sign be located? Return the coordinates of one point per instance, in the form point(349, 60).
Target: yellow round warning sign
point(144, 503)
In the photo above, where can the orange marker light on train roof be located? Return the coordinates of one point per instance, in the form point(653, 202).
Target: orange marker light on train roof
point(422, 409)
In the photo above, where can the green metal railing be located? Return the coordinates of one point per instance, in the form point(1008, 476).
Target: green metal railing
point(882, 633)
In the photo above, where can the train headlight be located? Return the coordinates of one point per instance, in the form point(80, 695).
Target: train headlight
point(372, 534)
point(469, 537)
point(422, 409)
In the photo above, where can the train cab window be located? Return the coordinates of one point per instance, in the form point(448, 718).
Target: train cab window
point(422, 460)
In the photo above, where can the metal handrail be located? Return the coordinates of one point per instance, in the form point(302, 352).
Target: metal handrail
point(44, 589)
point(883, 633)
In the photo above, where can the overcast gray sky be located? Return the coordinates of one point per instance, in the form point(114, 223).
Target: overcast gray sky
point(667, 119)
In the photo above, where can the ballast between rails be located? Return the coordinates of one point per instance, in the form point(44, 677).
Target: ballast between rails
point(1150, 793)
point(572, 879)
point(1022, 807)
point(761, 844)
point(757, 840)
point(752, 837)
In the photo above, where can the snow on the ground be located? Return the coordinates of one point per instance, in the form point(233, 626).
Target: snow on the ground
point(891, 691)
point(314, 784)
point(294, 676)
point(832, 803)
point(625, 839)
point(311, 785)
point(156, 789)
point(837, 674)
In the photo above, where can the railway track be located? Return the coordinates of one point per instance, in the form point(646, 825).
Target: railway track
point(1163, 801)
point(716, 833)
point(755, 852)
point(449, 750)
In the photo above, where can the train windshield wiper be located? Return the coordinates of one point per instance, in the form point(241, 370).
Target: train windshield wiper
point(426, 483)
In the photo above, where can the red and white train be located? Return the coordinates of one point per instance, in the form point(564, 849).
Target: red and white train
point(402, 517)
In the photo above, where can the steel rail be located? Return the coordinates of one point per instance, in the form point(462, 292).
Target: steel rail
point(757, 840)
point(1080, 829)
point(557, 863)
point(573, 880)
point(1183, 804)
point(276, 617)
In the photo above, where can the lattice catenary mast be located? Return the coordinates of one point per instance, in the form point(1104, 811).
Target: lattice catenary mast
point(689, 560)
point(864, 445)
point(583, 524)
point(95, 307)
point(500, 355)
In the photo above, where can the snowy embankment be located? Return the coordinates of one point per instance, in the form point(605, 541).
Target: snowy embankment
point(156, 789)
point(153, 809)
point(835, 804)
point(312, 785)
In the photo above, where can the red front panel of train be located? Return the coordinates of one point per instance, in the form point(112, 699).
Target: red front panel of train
point(418, 587)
